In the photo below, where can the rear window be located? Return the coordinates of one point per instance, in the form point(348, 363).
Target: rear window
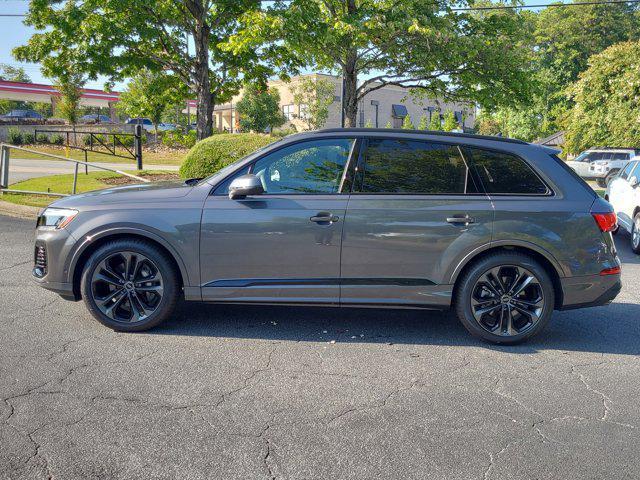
point(505, 174)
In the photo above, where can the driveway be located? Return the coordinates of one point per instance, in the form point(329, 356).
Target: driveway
point(264, 392)
point(23, 169)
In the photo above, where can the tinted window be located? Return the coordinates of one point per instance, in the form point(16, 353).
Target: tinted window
point(620, 156)
point(223, 188)
point(414, 167)
point(503, 173)
point(308, 167)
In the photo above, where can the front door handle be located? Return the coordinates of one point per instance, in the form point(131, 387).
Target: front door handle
point(324, 218)
point(461, 219)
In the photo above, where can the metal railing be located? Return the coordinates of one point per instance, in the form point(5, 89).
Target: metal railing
point(98, 142)
point(5, 162)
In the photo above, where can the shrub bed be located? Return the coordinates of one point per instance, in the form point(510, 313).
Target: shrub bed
point(213, 153)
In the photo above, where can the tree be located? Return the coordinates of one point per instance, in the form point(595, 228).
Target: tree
point(450, 123)
point(70, 88)
point(422, 45)
point(424, 123)
point(150, 94)
point(388, 125)
point(118, 38)
point(607, 100)
point(435, 124)
point(407, 124)
point(259, 108)
point(13, 74)
point(313, 96)
point(368, 123)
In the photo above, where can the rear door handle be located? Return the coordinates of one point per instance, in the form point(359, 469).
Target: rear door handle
point(324, 218)
point(462, 219)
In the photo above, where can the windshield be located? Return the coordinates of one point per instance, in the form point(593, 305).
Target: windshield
point(583, 157)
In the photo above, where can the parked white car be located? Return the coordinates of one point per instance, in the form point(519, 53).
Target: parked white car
point(623, 193)
point(601, 164)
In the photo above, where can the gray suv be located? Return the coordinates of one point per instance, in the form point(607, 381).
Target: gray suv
point(499, 230)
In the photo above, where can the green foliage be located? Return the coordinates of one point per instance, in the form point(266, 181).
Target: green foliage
point(177, 139)
point(388, 125)
point(449, 124)
point(13, 74)
point(435, 124)
point(150, 95)
point(284, 131)
point(424, 123)
point(42, 138)
point(28, 138)
point(368, 123)
point(407, 124)
point(607, 101)
point(524, 124)
point(259, 108)
point(70, 86)
point(313, 96)
point(56, 139)
point(14, 136)
point(210, 155)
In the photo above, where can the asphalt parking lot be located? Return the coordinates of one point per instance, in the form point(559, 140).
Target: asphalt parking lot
point(264, 392)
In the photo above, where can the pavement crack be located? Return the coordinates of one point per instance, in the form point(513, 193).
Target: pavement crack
point(606, 401)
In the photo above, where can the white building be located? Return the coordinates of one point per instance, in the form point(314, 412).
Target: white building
point(386, 105)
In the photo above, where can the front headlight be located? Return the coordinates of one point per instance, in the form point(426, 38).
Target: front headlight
point(56, 218)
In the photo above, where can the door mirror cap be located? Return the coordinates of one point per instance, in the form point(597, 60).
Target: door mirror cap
point(633, 181)
point(244, 186)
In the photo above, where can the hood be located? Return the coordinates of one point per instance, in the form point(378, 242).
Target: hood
point(139, 193)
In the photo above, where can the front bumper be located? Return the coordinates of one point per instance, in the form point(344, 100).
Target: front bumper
point(58, 245)
point(589, 291)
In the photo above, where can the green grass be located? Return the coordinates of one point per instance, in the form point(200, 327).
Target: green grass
point(164, 157)
point(60, 184)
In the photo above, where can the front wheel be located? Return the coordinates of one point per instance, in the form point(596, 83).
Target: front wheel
point(635, 234)
point(130, 285)
point(505, 298)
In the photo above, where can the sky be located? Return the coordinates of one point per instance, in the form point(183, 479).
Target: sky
point(13, 33)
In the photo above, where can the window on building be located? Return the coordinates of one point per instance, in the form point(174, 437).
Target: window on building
point(289, 111)
point(414, 167)
point(503, 173)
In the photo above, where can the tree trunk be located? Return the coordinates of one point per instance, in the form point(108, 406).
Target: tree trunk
point(350, 94)
point(204, 99)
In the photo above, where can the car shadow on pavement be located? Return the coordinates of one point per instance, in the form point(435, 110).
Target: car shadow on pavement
point(610, 329)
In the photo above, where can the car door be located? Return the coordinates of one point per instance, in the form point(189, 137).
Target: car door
point(415, 210)
point(621, 195)
point(282, 245)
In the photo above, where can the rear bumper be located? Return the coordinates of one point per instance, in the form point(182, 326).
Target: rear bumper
point(589, 291)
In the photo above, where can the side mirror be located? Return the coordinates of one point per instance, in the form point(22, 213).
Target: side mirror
point(633, 181)
point(245, 185)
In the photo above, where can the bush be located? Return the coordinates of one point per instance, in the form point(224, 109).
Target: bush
point(42, 138)
point(177, 139)
point(86, 139)
point(57, 139)
point(15, 137)
point(284, 131)
point(211, 154)
point(28, 138)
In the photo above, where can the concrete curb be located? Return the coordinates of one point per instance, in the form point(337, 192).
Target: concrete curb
point(22, 211)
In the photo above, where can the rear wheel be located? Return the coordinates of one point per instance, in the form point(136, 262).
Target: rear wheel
point(505, 298)
point(635, 234)
point(130, 285)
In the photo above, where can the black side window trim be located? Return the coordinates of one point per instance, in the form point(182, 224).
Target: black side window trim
point(353, 152)
point(469, 157)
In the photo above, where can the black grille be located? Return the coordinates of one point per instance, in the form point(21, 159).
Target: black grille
point(40, 261)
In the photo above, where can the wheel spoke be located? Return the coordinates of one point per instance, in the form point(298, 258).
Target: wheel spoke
point(506, 321)
point(114, 302)
point(519, 286)
point(107, 277)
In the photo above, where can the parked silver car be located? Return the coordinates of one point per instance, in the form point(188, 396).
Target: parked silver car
point(500, 230)
point(601, 164)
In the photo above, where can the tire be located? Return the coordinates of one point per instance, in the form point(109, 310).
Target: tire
point(142, 298)
point(602, 182)
point(635, 234)
point(480, 301)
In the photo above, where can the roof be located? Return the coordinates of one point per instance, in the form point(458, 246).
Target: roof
point(423, 132)
point(555, 139)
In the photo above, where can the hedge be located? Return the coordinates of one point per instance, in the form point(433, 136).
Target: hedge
point(213, 153)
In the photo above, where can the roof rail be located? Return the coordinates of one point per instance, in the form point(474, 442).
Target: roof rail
point(425, 132)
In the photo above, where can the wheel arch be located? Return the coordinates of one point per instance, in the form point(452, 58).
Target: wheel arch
point(549, 263)
point(93, 242)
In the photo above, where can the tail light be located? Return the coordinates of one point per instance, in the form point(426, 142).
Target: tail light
point(606, 221)
point(611, 271)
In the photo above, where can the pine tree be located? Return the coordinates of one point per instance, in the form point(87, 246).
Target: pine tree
point(424, 124)
point(388, 125)
point(450, 122)
point(435, 124)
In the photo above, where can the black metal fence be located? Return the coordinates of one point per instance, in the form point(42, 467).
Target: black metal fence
point(115, 144)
